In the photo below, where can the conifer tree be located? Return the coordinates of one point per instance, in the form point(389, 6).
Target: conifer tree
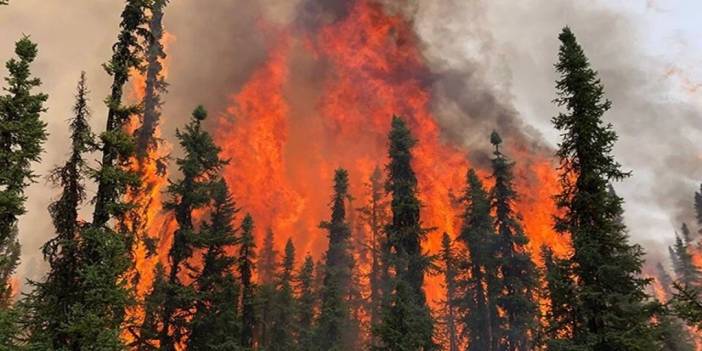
point(267, 270)
point(374, 214)
point(406, 321)
point(245, 266)
point(450, 261)
point(336, 329)
point(55, 303)
point(560, 292)
point(155, 80)
point(284, 328)
point(307, 301)
point(200, 167)
point(518, 276)
point(613, 308)
point(687, 273)
point(478, 307)
point(117, 146)
point(22, 135)
point(215, 323)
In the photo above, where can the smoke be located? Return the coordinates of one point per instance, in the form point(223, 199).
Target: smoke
point(491, 66)
point(495, 63)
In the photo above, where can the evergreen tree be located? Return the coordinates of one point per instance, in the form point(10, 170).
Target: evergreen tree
point(307, 301)
point(200, 167)
point(215, 324)
point(22, 135)
point(55, 303)
point(117, 146)
point(518, 280)
point(613, 308)
point(267, 270)
point(478, 308)
point(245, 266)
point(560, 292)
point(665, 280)
point(687, 273)
point(449, 258)
point(284, 328)
point(406, 322)
point(155, 81)
point(336, 328)
point(374, 214)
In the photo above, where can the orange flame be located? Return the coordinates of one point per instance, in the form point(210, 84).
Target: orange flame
point(283, 155)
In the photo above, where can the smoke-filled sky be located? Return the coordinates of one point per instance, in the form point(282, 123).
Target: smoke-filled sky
point(493, 62)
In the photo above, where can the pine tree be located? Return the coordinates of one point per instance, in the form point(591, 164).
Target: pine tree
point(374, 214)
point(55, 303)
point(155, 81)
point(518, 280)
point(284, 328)
point(22, 135)
point(687, 273)
point(307, 301)
point(477, 305)
point(245, 266)
point(215, 324)
point(450, 261)
point(336, 329)
point(267, 270)
point(665, 280)
point(117, 146)
point(612, 305)
point(406, 322)
point(200, 167)
point(560, 292)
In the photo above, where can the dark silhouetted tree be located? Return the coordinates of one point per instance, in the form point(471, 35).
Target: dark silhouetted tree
point(22, 135)
point(613, 309)
point(518, 280)
point(406, 322)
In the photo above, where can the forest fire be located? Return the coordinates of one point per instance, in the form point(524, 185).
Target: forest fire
point(283, 156)
point(336, 192)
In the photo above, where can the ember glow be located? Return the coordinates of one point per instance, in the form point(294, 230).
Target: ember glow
point(283, 155)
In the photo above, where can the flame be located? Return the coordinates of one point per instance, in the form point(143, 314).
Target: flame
point(148, 220)
point(285, 135)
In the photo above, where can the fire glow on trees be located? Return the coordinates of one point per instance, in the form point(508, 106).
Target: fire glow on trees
point(283, 155)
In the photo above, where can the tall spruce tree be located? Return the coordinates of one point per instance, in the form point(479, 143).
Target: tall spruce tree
point(518, 275)
point(450, 261)
point(686, 272)
point(215, 324)
point(155, 80)
point(406, 322)
point(560, 292)
point(284, 328)
point(265, 296)
point(55, 304)
point(117, 146)
point(200, 167)
point(336, 329)
point(306, 304)
point(477, 304)
point(613, 308)
point(22, 135)
point(375, 216)
point(245, 266)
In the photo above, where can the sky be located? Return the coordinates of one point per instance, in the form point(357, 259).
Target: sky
point(648, 53)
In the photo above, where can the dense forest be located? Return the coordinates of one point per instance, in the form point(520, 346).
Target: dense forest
point(214, 286)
